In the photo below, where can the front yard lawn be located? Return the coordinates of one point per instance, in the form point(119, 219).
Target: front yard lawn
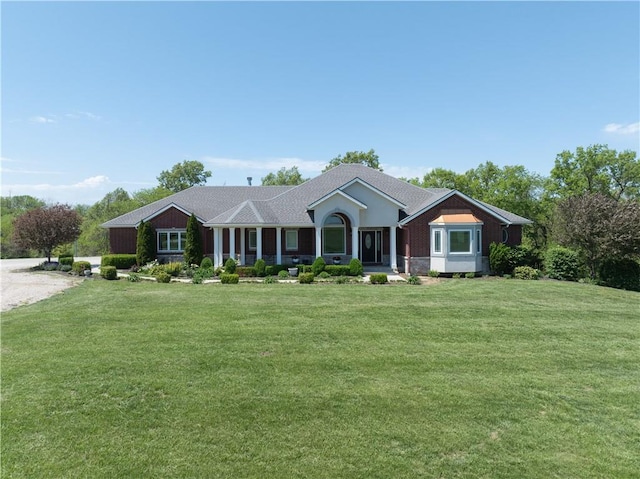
point(459, 379)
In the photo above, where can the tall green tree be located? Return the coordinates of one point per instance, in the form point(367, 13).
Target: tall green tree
point(46, 227)
point(11, 207)
point(145, 243)
point(193, 248)
point(595, 169)
point(368, 158)
point(284, 177)
point(184, 175)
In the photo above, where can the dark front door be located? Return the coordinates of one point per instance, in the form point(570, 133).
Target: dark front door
point(371, 246)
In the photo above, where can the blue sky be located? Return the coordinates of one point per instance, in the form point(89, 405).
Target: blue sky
point(101, 95)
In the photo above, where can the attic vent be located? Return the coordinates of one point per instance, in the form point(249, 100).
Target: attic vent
point(249, 178)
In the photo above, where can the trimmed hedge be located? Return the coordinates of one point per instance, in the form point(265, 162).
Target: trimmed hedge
point(227, 278)
point(80, 266)
point(230, 266)
point(275, 269)
point(206, 262)
point(526, 272)
point(119, 261)
point(563, 264)
point(355, 267)
point(338, 269)
point(65, 260)
point(163, 277)
point(109, 272)
point(246, 271)
point(378, 278)
point(305, 278)
point(260, 267)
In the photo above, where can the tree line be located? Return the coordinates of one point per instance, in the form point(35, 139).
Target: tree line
point(590, 202)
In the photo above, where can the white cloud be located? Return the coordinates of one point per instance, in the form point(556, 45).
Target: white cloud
point(406, 171)
point(617, 128)
point(93, 182)
point(41, 119)
point(80, 115)
point(268, 164)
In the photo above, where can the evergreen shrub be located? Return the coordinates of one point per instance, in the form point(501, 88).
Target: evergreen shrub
point(227, 278)
point(337, 269)
point(80, 266)
point(620, 273)
point(318, 266)
point(260, 267)
point(230, 266)
point(305, 278)
point(65, 260)
point(206, 262)
point(563, 264)
point(246, 271)
point(163, 277)
point(413, 280)
point(500, 258)
point(526, 272)
point(378, 278)
point(109, 272)
point(193, 248)
point(355, 267)
point(283, 274)
point(119, 261)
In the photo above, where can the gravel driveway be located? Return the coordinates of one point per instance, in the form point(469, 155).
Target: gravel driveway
point(19, 286)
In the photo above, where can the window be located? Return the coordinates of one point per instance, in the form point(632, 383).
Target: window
point(171, 241)
point(460, 241)
point(291, 240)
point(253, 239)
point(437, 241)
point(334, 235)
point(478, 242)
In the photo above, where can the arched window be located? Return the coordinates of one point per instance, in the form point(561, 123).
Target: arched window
point(334, 235)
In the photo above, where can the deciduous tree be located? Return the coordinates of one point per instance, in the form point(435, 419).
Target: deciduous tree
point(46, 227)
point(184, 175)
point(368, 158)
point(284, 177)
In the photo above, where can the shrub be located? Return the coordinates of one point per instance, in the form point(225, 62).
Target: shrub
point(246, 271)
point(621, 273)
point(470, 275)
point(79, 267)
point(65, 260)
point(378, 278)
point(456, 276)
point(201, 274)
point(562, 263)
point(433, 273)
point(228, 278)
point(324, 275)
point(355, 267)
point(133, 278)
point(230, 266)
point(193, 248)
point(500, 258)
point(145, 243)
point(337, 269)
point(173, 268)
point(206, 262)
point(163, 277)
point(119, 261)
point(305, 268)
point(283, 274)
point(342, 280)
point(413, 280)
point(305, 278)
point(526, 272)
point(318, 266)
point(270, 280)
point(109, 272)
point(276, 269)
point(260, 267)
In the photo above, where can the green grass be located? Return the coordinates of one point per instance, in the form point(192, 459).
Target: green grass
point(463, 379)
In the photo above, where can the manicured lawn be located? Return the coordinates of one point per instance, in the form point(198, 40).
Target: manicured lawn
point(465, 378)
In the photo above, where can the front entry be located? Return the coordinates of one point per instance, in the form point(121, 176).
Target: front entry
point(371, 246)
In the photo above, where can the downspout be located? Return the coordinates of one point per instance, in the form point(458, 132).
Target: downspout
point(407, 250)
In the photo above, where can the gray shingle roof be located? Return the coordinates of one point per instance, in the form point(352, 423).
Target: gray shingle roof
point(288, 205)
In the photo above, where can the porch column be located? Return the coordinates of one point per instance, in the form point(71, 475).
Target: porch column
point(354, 242)
point(318, 241)
point(232, 243)
point(392, 247)
point(217, 247)
point(243, 260)
point(259, 243)
point(278, 245)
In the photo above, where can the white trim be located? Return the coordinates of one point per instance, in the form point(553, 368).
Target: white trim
point(375, 190)
point(460, 230)
point(251, 247)
point(286, 240)
point(410, 218)
point(435, 251)
point(166, 208)
point(346, 196)
point(181, 241)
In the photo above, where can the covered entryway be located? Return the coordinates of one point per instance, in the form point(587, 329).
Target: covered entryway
point(371, 246)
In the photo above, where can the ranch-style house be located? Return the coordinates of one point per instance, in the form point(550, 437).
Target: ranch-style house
point(350, 211)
